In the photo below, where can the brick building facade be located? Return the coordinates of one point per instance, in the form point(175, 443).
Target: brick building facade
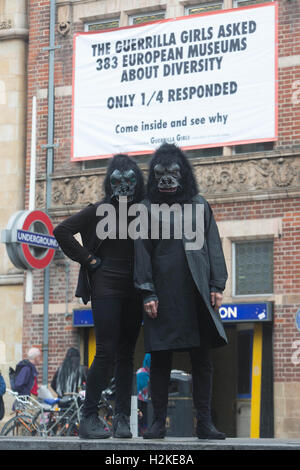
point(13, 58)
point(254, 192)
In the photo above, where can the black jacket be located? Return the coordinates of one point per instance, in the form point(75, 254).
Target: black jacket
point(24, 378)
point(166, 269)
point(83, 222)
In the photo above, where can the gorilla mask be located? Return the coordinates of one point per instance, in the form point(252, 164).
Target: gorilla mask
point(171, 178)
point(167, 177)
point(123, 183)
point(123, 178)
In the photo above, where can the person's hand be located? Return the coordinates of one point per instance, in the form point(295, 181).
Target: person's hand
point(216, 300)
point(151, 308)
point(93, 263)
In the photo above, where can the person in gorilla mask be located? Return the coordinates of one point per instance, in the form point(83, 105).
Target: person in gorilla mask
point(106, 277)
point(182, 286)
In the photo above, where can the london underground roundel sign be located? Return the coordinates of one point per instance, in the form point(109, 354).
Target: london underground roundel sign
point(29, 240)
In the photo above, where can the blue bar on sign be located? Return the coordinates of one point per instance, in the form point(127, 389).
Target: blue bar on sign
point(83, 317)
point(251, 312)
point(37, 239)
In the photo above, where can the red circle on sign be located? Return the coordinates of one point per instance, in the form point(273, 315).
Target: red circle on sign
point(38, 263)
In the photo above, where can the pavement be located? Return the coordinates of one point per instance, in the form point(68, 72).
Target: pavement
point(171, 445)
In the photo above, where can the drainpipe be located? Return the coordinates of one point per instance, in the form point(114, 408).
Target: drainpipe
point(50, 151)
point(31, 206)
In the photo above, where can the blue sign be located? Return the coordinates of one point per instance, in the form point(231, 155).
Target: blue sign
point(246, 312)
point(83, 317)
point(243, 312)
point(37, 239)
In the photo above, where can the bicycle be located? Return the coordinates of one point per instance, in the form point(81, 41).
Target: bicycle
point(23, 423)
point(106, 412)
point(54, 417)
point(64, 418)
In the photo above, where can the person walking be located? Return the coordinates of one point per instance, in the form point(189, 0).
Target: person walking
point(25, 382)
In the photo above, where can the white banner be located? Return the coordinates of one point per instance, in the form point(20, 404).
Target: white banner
point(197, 81)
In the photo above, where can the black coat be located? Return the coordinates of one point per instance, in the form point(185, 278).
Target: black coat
point(83, 222)
point(24, 377)
point(182, 280)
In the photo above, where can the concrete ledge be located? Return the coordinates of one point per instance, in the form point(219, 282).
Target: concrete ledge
point(138, 444)
point(14, 33)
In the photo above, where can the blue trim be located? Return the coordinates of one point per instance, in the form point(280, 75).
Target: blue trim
point(83, 318)
point(246, 312)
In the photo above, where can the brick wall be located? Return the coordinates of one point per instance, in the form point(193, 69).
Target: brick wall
point(289, 45)
point(286, 273)
point(286, 249)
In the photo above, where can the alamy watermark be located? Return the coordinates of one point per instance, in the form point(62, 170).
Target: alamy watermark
point(162, 221)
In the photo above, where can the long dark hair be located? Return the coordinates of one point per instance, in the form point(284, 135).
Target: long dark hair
point(70, 374)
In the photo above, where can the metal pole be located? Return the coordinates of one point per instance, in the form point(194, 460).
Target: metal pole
point(32, 157)
point(49, 170)
point(31, 207)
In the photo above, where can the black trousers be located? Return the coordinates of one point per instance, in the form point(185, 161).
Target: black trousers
point(117, 325)
point(202, 370)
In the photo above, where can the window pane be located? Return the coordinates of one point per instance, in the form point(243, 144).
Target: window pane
point(147, 18)
point(254, 268)
point(259, 147)
point(103, 25)
point(203, 8)
point(103, 162)
point(206, 152)
point(241, 3)
point(89, 164)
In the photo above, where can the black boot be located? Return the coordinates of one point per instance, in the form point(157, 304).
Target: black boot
point(121, 426)
point(202, 373)
point(206, 430)
point(91, 427)
point(157, 429)
point(160, 370)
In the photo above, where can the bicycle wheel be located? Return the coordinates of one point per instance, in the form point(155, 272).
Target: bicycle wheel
point(105, 413)
point(20, 425)
point(73, 429)
point(61, 428)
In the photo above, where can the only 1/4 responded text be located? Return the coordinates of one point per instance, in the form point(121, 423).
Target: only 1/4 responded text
point(172, 95)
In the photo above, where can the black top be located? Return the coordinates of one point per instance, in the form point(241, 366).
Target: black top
point(116, 249)
point(181, 277)
point(114, 278)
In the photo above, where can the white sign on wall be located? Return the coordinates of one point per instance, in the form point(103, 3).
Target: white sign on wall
point(196, 81)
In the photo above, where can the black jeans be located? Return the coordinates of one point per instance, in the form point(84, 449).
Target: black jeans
point(117, 325)
point(202, 370)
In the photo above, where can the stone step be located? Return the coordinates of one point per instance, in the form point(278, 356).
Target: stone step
point(174, 445)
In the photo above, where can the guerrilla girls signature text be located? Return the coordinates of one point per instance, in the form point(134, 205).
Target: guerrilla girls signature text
point(151, 459)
